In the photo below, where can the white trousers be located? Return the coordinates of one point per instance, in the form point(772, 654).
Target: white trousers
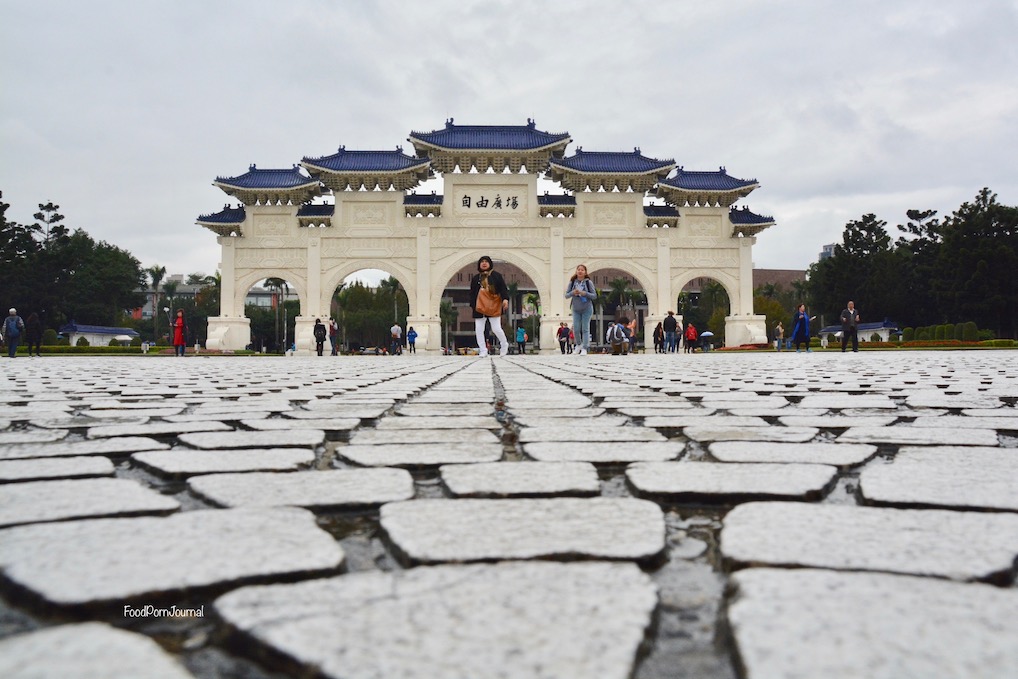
point(496, 328)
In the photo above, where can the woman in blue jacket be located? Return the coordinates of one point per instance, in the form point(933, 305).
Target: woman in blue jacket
point(800, 328)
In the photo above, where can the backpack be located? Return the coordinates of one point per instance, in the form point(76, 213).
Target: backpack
point(616, 334)
point(13, 326)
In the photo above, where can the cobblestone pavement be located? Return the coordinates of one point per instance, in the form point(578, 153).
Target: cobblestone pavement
point(711, 516)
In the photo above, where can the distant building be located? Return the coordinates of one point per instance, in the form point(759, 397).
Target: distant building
point(97, 335)
point(784, 279)
point(827, 251)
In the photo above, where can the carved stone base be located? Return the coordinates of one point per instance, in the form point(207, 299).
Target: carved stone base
point(749, 329)
point(228, 333)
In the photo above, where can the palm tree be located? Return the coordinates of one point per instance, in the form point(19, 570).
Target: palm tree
point(156, 274)
point(601, 301)
point(282, 289)
point(170, 290)
point(534, 300)
point(447, 315)
point(621, 292)
point(514, 289)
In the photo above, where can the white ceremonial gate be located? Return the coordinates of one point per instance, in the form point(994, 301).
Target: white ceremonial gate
point(490, 206)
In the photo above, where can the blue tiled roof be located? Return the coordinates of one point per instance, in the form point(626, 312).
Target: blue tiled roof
point(610, 162)
point(660, 211)
point(556, 199)
point(493, 137)
point(745, 217)
point(228, 215)
point(422, 199)
point(310, 210)
point(96, 330)
point(268, 179)
point(706, 181)
point(366, 161)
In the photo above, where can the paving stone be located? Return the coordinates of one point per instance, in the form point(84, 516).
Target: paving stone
point(107, 560)
point(932, 542)
point(363, 412)
point(438, 410)
point(325, 424)
point(708, 432)
point(14, 438)
point(689, 410)
point(220, 417)
point(728, 482)
point(127, 444)
point(604, 452)
point(155, 429)
point(679, 421)
point(512, 619)
point(770, 402)
point(588, 433)
point(432, 531)
point(335, 488)
point(89, 649)
point(420, 455)
point(78, 422)
point(949, 476)
point(966, 422)
point(931, 399)
point(121, 414)
point(390, 436)
point(38, 501)
point(840, 401)
point(54, 468)
point(439, 422)
point(815, 623)
point(291, 438)
point(523, 479)
point(838, 454)
point(183, 462)
point(837, 421)
point(565, 419)
point(919, 436)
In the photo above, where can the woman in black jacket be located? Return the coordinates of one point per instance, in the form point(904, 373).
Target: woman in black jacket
point(491, 282)
point(33, 333)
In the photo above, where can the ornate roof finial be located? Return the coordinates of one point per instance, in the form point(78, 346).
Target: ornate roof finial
point(530, 123)
point(722, 168)
point(636, 150)
point(448, 123)
point(341, 149)
point(399, 148)
point(251, 167)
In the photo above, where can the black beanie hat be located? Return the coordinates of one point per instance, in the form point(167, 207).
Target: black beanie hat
point(491, 265)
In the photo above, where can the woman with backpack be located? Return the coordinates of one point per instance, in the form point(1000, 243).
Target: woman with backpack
point(581, 294)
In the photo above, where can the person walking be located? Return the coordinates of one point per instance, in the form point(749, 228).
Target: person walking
point(320, 334)
point(779, 335)
point(33, 333)
point(521, 340)
point(563, 336)
point(396, 343)
point(411, 340)
point(690, 338)
point(581, 292)
point(14, 326)
point(180, 333)
point(659, 338)
point(333, 336)
point(800, 328)
point(850, 327)
point(671, 326)
point(489, 298)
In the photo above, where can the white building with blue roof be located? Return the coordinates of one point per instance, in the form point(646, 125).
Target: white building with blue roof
point(316, 223)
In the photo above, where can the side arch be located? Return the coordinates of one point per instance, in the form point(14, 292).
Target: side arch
point(331, 278)
point(245, 282)
point(643, 275)
point(729, 282)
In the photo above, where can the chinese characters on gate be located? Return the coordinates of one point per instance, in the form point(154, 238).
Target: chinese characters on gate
point(496, 203)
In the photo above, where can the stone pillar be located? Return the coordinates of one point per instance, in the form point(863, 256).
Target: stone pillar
point(314, 278)
point(743, 326)
point(231, 330)
point(555, 307)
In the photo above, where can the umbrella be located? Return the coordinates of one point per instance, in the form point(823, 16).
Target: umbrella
point(706, 334)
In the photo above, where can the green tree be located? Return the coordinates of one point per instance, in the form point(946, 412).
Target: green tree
point(977, 263)
point(447, 315)
point(156, 274)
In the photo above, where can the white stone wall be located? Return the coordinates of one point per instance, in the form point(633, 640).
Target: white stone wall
point(482, 214)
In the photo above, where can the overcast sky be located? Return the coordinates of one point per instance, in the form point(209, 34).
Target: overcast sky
point(124, 112)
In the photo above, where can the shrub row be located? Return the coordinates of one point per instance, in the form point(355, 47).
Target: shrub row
point(963, 332)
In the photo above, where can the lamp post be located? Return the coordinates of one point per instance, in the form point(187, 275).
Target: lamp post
point(169, 323)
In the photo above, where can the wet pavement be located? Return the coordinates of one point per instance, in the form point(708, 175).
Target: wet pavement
point(649, 516)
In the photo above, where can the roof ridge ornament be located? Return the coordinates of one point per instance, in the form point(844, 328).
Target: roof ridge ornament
point(252, 167)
